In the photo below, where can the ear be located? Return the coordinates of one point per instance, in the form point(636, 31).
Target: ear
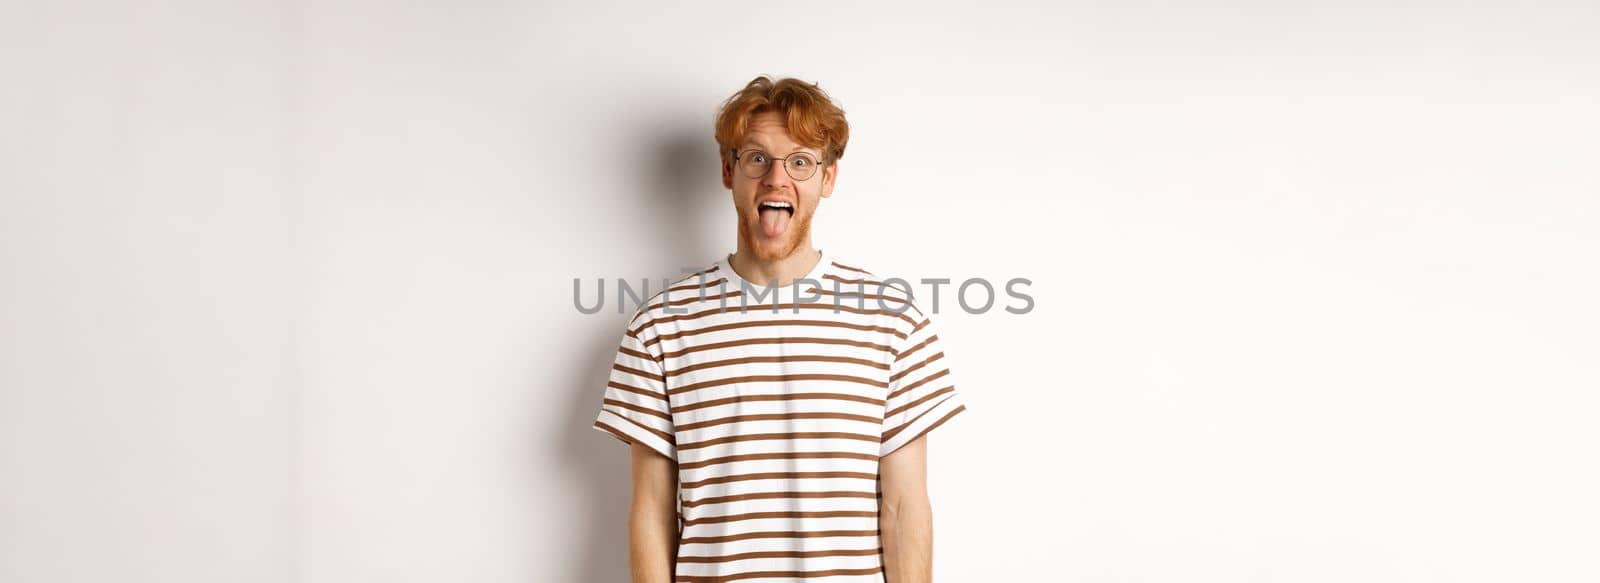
point(727, 175)
point(829, 176)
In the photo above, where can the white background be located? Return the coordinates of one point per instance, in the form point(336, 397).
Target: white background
point(287, 287)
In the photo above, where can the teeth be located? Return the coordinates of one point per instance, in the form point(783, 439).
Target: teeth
point(777, 205)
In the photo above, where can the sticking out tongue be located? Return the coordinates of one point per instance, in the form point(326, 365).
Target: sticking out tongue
point(774, 221)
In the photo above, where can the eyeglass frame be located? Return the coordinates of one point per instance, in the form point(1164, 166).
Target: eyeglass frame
point(820, 164)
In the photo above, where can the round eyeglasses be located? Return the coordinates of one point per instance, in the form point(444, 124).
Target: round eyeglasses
point(756, 163)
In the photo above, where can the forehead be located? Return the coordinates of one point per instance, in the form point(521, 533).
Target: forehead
point(767, 132)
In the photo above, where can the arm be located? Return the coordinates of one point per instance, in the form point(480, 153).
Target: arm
point(653, 518)
point(905, 516)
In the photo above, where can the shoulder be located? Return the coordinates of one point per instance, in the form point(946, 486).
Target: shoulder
point(855, 277)
point(674, 290)
point(848, 270)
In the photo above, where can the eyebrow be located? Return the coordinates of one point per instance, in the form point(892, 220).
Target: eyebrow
point(748, 142)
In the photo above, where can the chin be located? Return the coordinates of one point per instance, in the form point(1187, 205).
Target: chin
point(774, 249)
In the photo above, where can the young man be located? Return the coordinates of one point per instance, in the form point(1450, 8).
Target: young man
point(781, 394)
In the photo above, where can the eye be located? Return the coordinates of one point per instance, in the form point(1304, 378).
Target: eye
point(802, 161)
point(758, 157)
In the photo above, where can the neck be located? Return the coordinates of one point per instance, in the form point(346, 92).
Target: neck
point(761, 272)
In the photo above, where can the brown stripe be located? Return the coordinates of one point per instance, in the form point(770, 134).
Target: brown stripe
point(765, 574)
point(646, 410)
point(771, 309)
point(786, 436)
point(924, 399)
point(778, 534)
point(776, 475)
point(667, 437)
point(791, 340)
point(695, 298)
point(695, 278)
point(713, 267)
point(749, 324)
point(780, 555)
point(696, 285)
point(614, 432)
point(781, 397)
point(661, 378)
point(782, 358)
point(777, 456)
point(947, 417)
point(888, 435)
point(628, 439)
point(773, 495)
point(864, 282)
point(636, 390)
point(908, 351)
point(913, 386)
point(737, 325)
point(776, 378)
point(868, 296)
point(913, 368)
point(862, 298)
point(783, 514)
point(637, 354)
point(776, 417)
point(847, 267)
point(936, 424)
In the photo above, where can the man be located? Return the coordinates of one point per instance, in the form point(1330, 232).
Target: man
point(780, 395)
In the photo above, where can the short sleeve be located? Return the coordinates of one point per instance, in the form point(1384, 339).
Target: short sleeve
point(922, 391)
point(635, 407)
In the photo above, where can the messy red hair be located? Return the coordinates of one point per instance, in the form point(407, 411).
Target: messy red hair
point(812, 119)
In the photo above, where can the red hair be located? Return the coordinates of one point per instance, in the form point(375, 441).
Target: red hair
point(812, 119)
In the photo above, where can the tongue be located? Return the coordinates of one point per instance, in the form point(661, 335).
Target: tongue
point(774, 222)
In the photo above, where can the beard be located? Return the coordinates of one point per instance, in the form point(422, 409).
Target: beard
point(774, 248)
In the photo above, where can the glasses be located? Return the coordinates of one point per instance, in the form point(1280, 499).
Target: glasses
point(756, 163)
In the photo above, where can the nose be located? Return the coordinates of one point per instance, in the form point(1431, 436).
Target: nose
point(776, 173)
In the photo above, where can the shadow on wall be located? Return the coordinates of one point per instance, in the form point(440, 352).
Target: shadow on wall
point(679, 185)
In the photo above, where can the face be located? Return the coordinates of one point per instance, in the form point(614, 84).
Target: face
point(774, 234)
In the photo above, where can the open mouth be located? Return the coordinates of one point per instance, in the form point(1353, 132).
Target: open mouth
point(775, 217)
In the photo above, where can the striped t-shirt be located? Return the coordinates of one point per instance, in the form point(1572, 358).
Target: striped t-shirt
point(777, 420)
